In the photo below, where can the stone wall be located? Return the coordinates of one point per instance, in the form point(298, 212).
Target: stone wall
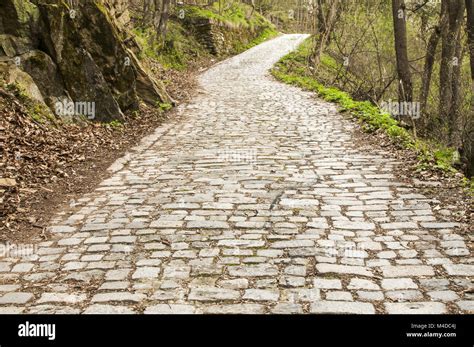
point(222, 38)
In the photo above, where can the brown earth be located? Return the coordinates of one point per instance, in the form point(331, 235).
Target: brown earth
point(50, 164)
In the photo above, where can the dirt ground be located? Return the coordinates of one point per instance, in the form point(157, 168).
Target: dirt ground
point(44, 166)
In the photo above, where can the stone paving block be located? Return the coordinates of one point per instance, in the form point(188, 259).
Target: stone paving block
point(416, 308)
point(407, 271)
point(342, 307)
point(213, 294)
point(241, 243)
point(62, 298)
point(108, 309)
point(404, 295)
point(264, 270)
point(370, 296)
point(207, 225)
point(443, 295)
point(398, 283)
point(17, 298)
point(339, 296)
point(459, 269)
point(23, 267)
point(344, 269)
point(11, 310)
point(323, 283)
point(170, 309)
point(287, 308)
point(354, 225)
point(359, 283)
point(292, 244)
point(466, 305)
point(53, 309)
point(261, 295)
point(118, 297)
point(234, 309)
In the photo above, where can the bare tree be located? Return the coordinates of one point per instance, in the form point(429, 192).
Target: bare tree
point(148, 11)
point(454, 9)
point(430, 58)
point(470, 33)
point(162, 26)
point(326, 21)
point(401, 50)
point(157, 15)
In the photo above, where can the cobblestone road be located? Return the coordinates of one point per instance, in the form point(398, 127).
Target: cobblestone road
point(253, 200)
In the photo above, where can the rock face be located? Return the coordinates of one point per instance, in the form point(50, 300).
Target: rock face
point(118, 9)
point(75, 51)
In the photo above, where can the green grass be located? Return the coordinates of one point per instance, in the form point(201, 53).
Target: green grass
point(265, 35)
point(292, 69)
point(115, 124)
point(165, 106)
point(180, 46)
point(176, 51)
point(236, 14)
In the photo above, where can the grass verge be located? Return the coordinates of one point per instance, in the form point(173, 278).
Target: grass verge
point(292, 69)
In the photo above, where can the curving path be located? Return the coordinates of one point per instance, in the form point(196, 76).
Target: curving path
point(253, 199)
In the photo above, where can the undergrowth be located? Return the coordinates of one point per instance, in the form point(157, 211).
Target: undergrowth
point(292, 69)
point(180, 45)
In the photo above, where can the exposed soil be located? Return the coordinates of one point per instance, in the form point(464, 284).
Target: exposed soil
point(47, 165)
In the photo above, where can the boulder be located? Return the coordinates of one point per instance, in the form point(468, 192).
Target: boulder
point(11, 74)
point(44, 72)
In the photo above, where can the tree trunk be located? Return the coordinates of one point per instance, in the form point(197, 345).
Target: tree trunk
point(454, 114)
point(429, 61)
point(157, 15)
point(401, 50)
point(470, 33)
point(147, 12)
point(251, 3)
point(469, 143)
point(164, 18)
point(454, 9)
point(325, 26)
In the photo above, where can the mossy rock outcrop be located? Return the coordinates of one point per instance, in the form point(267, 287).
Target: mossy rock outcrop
point(41, 67)
point(76, 53)
point(11, 74)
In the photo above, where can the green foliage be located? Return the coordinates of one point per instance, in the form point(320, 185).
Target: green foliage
point(39, 112)
point(233, 15)
point(329, 62)
point(236, 14)
point(115, 124)
point(469, 184)
point(292, 69)
point(435, 155)
point(265, 35)
point(181, 46)
point(165, 106)
point(178, 49)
